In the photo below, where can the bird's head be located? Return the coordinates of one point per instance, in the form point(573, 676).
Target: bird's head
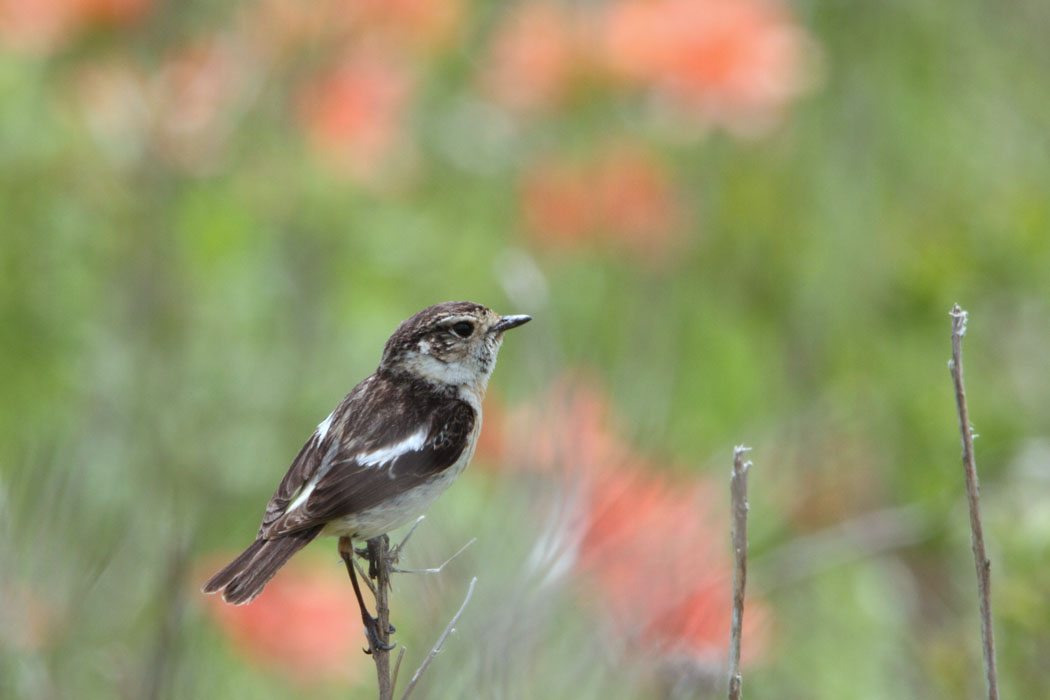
point(453, 344)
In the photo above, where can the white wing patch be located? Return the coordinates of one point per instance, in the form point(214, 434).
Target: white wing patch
point(412, 443)
point(322, 428)
point(303, 495)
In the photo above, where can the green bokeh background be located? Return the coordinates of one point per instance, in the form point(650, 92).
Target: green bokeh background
point(170, 338)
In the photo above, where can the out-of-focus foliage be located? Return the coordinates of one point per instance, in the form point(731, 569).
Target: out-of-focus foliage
point(733, 221)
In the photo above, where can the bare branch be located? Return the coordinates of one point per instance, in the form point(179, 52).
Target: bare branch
point(738, 534)
point(381, 559)
point(396, 551)
point(440, 642)
point(364, 577)
point(379, 565)
point(439, 569)
point(397, 665)
point(980, 558)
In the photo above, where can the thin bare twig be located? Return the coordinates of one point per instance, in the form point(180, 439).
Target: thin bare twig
point(396, 551)
point(397, 666)
point(440, 642)
point(438, 569)
point(980, 559)
point(364, 577)
point(381, 560)
point(738, 534)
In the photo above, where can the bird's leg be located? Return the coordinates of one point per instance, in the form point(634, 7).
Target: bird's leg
point(346, 551)
point(374, 553)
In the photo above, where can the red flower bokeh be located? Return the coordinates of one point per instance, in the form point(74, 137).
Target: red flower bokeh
point(622, 197)
point(564, 434)
point(305, 624)
point(416, 25)
point(533, 57)
point(112, 12)
point(657, 549)
point(409, 26)
point(651, 548)
point(41, 26)
point(354, 115)
point(732, 63)
point(557, 203)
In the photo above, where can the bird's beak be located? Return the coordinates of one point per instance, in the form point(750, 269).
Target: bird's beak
point(508, 322)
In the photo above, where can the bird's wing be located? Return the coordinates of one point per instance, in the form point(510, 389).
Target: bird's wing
point(351, 465)
point(317, 451)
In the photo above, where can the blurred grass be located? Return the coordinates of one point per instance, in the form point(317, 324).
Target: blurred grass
point(172, 335)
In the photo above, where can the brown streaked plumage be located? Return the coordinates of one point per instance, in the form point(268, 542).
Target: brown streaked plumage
point(396, 441)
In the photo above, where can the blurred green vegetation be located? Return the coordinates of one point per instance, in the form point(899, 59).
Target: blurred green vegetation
point(182, 303)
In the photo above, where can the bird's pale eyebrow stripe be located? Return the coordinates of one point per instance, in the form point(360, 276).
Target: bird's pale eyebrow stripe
point(413, 443)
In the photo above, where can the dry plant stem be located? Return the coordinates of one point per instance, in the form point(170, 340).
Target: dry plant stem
point(364, 577)
point(397, 666)
point(437, 569)
point(380, 564)
point(440, 642)
point(955, 366)
point(395, 552)
point(738, 534)
point(382, 559)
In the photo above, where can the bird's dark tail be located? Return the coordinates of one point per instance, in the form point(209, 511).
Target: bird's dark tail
point(244, 577)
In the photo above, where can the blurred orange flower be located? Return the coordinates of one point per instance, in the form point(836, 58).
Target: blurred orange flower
point(656, 548)
point(403, 26)
point(41, 26)
point(532, 56)
point(491, 443)
point(567, 433)
point(305, 624)
point(354, 115)
point(38, 26)
point(733, 63)
point(412, 24)
point(636, 200)
point(651, 549)
point(557, 203)
point(623, 197)
point(112, 12)
point(276, 27)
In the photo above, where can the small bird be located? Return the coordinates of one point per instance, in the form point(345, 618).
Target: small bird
point(391, 447)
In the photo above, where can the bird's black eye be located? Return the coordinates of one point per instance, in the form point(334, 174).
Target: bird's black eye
point(463, 329)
